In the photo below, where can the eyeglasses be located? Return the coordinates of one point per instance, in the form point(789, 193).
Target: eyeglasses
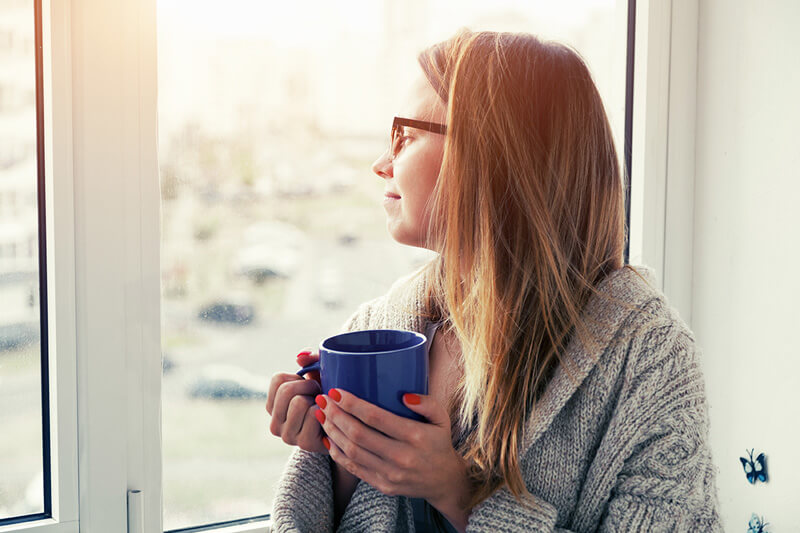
point(398, 133)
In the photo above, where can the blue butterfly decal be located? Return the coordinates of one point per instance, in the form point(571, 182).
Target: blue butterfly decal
point(755, 470)
point(757, 525)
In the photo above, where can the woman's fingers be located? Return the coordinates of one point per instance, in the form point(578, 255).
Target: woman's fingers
point(351, 442)
point(307, 357)
point(310, 437)
point(296, 418)
point(304, 358)
point(356, 431)
point(375, 477)
point(397, 427)
point(275, 383)
point(290, 402)
point(284, 395)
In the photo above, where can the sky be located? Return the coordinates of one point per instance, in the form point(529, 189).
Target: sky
point(320, 18)
point(215, 57)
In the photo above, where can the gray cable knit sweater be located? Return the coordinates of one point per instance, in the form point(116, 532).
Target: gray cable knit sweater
point(620, 446)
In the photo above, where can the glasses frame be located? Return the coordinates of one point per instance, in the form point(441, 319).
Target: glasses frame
point(398, 122)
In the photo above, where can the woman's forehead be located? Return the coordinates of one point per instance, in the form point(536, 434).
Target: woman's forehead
point(422, 102)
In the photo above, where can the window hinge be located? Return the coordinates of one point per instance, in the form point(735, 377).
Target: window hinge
point(135, 512)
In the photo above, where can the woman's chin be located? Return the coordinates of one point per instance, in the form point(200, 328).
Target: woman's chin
point(400, 234)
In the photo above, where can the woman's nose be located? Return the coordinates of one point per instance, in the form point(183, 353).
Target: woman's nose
point(382, 166)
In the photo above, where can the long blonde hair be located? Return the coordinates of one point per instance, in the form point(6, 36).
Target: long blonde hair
point(528, 216)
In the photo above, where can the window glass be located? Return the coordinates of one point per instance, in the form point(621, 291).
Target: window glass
point(270, 115)
point(21, 469)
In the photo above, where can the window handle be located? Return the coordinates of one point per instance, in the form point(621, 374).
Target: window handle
point(135, 512)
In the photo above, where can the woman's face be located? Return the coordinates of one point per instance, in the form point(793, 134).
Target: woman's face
point(411, 176)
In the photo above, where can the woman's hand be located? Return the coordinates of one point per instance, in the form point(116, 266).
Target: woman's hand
point(397, 455)
point(290, 401)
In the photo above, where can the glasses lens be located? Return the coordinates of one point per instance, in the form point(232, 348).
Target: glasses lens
point(394, 148)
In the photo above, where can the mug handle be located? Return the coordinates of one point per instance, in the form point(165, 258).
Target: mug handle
point(306, 369)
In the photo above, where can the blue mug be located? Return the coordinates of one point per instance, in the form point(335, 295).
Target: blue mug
point(377, 365)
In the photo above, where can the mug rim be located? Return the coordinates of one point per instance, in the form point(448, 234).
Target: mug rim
point(420, 337)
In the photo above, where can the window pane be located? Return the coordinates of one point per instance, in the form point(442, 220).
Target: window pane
point(21, 474)
point(270, 116)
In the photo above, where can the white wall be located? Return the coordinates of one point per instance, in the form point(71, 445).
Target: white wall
point(746, 251)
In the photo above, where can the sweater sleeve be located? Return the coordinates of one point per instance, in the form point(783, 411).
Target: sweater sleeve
point(667, 480)
point(503, 513)
point(663, 476)
point(304, 496)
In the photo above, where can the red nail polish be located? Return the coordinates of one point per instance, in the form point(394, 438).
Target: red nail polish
point(412, 399)
point(304, 352)
point(335, 394)
point(326, 443)
point(320, 399)
point(320, 416)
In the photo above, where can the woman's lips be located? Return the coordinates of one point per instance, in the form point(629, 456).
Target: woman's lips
point(391, 195)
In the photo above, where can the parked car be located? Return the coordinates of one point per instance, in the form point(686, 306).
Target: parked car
point(227, 312)
point(167, 363)
point(15, 336)
point(19, 309)
point(228, 382)
point(348, 239)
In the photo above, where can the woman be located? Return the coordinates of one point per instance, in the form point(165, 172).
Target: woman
point(565, 393)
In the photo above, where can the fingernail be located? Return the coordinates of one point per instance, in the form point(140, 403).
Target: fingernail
point(320, 416)
point(304, 352)
point(320, 399)
point(335, 395)
point(326, 443)
point(412, 399)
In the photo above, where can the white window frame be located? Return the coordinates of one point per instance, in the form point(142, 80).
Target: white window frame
point(117, 274)
point(106, 219)
point(60, 251)
point(103, 239)
point(102, 227)
point(663, 145)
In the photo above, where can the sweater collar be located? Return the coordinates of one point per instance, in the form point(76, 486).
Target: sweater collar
point(620, 292)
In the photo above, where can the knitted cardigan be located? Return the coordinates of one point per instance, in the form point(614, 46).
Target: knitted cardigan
point(620, 445)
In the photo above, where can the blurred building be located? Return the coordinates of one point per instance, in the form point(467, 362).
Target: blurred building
point(19, 312)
